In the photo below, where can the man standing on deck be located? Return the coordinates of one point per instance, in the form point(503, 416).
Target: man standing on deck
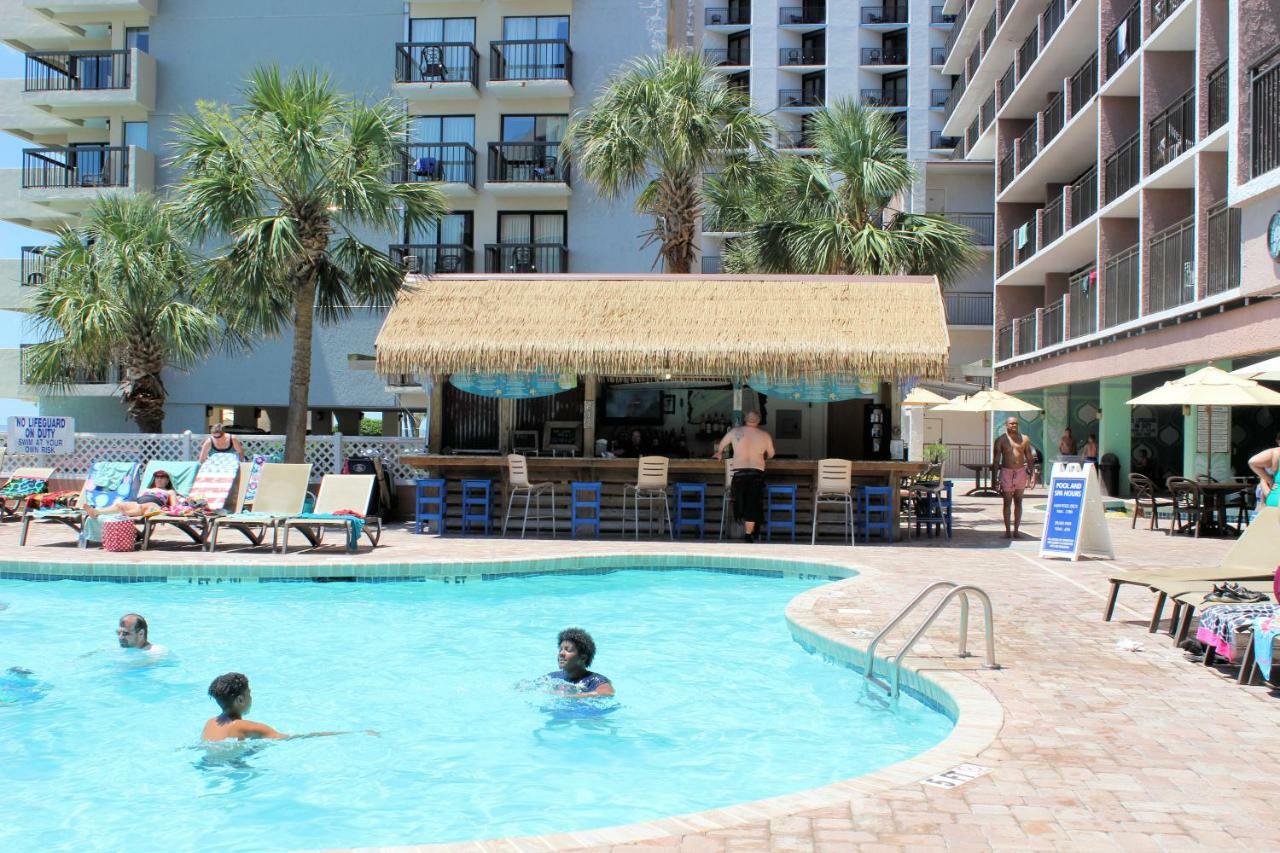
point(1012, 457)
point(751, 447)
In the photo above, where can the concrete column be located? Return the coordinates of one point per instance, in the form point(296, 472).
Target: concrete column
point(590, 388)
point(1115, 430)
point(1057, 404)
point(275, 417)
point(348, 421)
point(435, 427)
point(244, 416)
point(391, 423)
point(913, 428)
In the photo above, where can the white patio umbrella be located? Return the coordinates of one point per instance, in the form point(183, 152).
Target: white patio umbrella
point(923, 397)
point(1263, 371)
point(990, 400)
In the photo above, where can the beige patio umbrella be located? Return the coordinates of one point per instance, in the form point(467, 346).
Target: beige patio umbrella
point(950, 405)
point(922, 397)
point(1263, 371)
point(990, 400)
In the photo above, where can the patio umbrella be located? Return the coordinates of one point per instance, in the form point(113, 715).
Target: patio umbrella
point(990, 400)
point(1263, 371)
point(950, 405)
point(923, 397)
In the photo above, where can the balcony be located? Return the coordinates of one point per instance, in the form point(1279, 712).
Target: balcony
point(1084, 84)
point(1219, 97)
point(1122, 168)
point(1053, 117)
point(108, 375)
point(968, 309)
point(1264, 108)
point(1171, 266)
point(1120, 302)
point(799, 99)
point(794, 139)
point(80, 84)
point(531, 68)
point(892, 98)
point(1027, 147)
point(727, 58)
point(32, 266)
point(1083, 290)
point(1124, 38)
point(433, 258)
point(882, 59)
point(937, 56)
point(1052, 19)
point(526, 258)
point(1027, 53)
point(1053, 325)
point(452, 165)
point(437, 71)
point(792, 57)
point(728, 16)
point(938, 98)
point(69, 179)
point(938, 142)
point(938, 18)
point(981, 226)
point(894, 14)
point(1004, 343)
point(527, 168)
point(1222, 257)
point(712, 265)
point(807, 16)
point(1052, 222)
point(1173, 132)
point(1084, 197)
point(1026, 335)
point(1160, 12)
point(91, 11)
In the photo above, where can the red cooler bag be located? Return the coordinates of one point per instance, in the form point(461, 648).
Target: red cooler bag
point(119, 535)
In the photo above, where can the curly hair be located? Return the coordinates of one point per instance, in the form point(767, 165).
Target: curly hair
point(581, 641)
point(225, 688)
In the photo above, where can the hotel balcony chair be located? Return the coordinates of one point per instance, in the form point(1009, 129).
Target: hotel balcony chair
point(431, 63)
point(834, 488)
point(650, 486)
point(518, 478)
point(546, 170)
point(1145, 501)
point(522, 260)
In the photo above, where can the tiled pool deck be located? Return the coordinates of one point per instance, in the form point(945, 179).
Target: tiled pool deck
point(1090, 747)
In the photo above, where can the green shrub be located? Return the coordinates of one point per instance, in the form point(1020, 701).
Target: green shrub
point(370, 426)
point(936, 452)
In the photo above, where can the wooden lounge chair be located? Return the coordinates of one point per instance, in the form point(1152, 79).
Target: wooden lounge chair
point(108, 482)
point(12, 507)
point(211, 483)
point(338, 492)
point(1187, 600)
point(282, 493)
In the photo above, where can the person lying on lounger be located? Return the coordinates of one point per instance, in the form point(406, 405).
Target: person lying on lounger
point(159, 496)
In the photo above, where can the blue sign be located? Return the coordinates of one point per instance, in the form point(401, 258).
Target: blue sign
point(1066, 510)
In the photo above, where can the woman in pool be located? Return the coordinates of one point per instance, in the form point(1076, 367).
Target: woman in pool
point(573, 679)
point(159, 496)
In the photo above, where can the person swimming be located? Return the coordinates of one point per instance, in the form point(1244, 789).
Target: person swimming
point(132, 632)
point(19, 686)
point(573, 679)
point(231, 692)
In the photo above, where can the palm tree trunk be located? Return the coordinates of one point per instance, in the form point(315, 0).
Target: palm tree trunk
point(295, 431)
point(676, 208)
point(142, 389)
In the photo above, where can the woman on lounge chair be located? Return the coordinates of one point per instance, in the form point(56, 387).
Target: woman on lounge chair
point(158, 496)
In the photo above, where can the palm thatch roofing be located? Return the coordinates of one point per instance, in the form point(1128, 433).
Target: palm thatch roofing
point(884, 327)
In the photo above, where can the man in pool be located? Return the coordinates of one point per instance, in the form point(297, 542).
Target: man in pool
point(574, 679)
point(132, 634)
point(231, 692)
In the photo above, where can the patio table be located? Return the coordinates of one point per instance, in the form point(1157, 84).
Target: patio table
point(984, 479)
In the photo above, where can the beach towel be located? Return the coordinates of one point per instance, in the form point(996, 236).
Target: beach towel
point(1218, 624)
point(21, 487)
point(354, 529)
point(255, 474)
point(110, 482)
point(215, 479)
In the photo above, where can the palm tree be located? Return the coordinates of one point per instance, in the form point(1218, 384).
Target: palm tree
point(117, 290)
point(659, 124)
point(830, 213)
point(285, 181)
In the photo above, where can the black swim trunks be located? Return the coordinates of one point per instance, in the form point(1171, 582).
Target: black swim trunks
point(748, 495)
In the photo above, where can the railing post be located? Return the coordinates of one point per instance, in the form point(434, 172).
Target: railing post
point(337, 453)
point(1038, 331)
point(187, 453)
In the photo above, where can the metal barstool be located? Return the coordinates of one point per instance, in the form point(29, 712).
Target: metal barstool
point(650, 486)
point(834, 488)
point(518, 476)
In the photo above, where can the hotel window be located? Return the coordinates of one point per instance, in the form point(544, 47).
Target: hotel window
point(533, 48)
point(530, 242)
point(139, 37)
point(444, 246)
point(442, 30)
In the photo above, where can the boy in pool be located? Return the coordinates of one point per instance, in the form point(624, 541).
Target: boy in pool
point(577, 650)
point(231, 692)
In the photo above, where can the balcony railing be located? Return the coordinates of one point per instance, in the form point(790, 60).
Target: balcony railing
point(938, 98)
point(883, 56)
point(957, 92)
point(712, 264)
point(32, 266)
point(1160, 12)
point(794, 139)
point(77, 70)
point(971, 134)
point(1027, 338)
point(1004, 343)
point(731, 16)
point(889, 13)
point(1084, 84)
point(1024, 241)
point(968, 309)
point(955, 31)
point(1083, 287)
point(1173, 132)
point(726, 56)
point(937, 16)
point(1171, 266)
point(1052, 325)
point(526, 258)
point(940, 142)
point(1004, 87)
point(1084, 196)
point(884, 98)
point(438, 162)
point(433, 258)
point(988, 111)
point(1028, 52)
point(437, 62)
point(1053, 117)
point(1004, 257)
point(1120, 281)
point(1122, 168)
point(802, 56)
point(1264, 104)
point(810, 13)
point(1219, 96)
point(1124, 39)
point(1005, 171)
point(1052, 221)
point(527, 162)
point(531, 59)
point(1027, 147)
point(937, 55)
point(981, 226)
point(799, 98)
point(988, 34)
point(81, 166)
point(1052, 19)
point(1222, 258)
point(79, 376)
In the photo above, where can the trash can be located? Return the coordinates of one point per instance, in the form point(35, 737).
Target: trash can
point(1109, 472)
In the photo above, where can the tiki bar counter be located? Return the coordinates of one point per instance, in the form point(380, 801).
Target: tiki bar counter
point(584, 375)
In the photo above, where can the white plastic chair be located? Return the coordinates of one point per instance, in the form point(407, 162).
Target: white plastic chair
point(834, 487)
point(650, 486)
point(518, 474)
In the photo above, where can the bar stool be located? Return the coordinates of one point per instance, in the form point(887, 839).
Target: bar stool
point(727, 498)
point(584, 507)
point(834, 488)
point(691, 507)
point(877, 511)
point(476, 504)
point(780, 499)
point(933, 508)
point(429, 501)
point(518, 475)
point(650, 486)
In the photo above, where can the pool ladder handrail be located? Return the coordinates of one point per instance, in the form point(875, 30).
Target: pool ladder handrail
point(955, 590)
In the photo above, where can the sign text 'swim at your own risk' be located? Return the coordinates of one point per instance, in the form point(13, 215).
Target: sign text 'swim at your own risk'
point(41, 435)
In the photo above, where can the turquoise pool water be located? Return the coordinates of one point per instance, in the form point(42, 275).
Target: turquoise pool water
point(716, 705)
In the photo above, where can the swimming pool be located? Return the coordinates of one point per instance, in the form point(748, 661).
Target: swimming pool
point(716, 705)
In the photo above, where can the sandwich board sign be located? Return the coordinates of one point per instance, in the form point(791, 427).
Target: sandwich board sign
point(1075, 524)
point(41, 436)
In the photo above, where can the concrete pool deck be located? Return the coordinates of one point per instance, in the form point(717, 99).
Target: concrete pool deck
point(1090, 747)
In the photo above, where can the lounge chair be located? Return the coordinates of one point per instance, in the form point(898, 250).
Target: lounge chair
point(183, 479)
point(338, 493)
point(12, 501)
point(282, 493)
point(108, 482)
point(211, 485)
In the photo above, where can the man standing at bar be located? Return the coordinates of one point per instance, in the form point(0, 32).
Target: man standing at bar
point(751, 447)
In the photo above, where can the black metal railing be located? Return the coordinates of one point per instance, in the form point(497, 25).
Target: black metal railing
point(1052, 221)
point(1004, 257)
point(1084, 83)
point(968, 309)
point(799, 98)
point(1028, 339)
point(884, 98)
point(527, 162)
point(526, 258)
point(81, 166)
point(79, 376)
point(433, 258)
point(802, 56)
point(938, 98)
point(937, 16)
point(531, 59)
point(1264, 101)
point(981, 226)
point(1005, 170)
point(437, 62)
point(727, 56)
point(810, 13)
point(1222, 257)
point(937, 55)
point(1084, 196)
point(77, 70)
point(1083, 287)
point(712, 264)
point(953, 98)
point(1120, 282)
point(1124, 38)
point(1218, 95)
point(794, 139)
point(1122, 168)
point(971, 135)
point(1028, 51)
point(988, 34)
point(1173, 132)
point(1052, 325)
point(1053, 117)
point(1004, 87)
point(437, 162)
point(32, 266)
point(955, 32)
point(889, 13)
point(1004, 343)
point(940, 142)
point(1171, 266)
point(728, 16)
point(1052, 19)
point(1028, 147)
point(988, 111)
point(884, 56)
point(1024, 241)
point(1160, 12)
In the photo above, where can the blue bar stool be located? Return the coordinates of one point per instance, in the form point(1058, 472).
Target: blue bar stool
point(933, 509)
point(780, 501)
point(584, 507)
point(429, 500)
point(691, 507)
point(476, 504)
point(877, 511)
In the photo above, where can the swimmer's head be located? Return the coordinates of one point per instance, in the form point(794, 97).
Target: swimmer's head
point(132, 632)
point(752, 418)
point(231, 692)
point(577, 649)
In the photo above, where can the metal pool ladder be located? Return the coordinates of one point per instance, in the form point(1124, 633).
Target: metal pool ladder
point(954, 590)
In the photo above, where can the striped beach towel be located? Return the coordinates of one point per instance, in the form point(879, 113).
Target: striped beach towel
point(215, 479)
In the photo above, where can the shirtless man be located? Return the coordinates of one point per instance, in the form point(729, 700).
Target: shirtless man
point(1012, 456)
point(132, 634)
point(751, 447)
point(231, 692)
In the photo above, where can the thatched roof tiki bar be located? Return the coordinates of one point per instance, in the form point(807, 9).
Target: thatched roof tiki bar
point(584, 367)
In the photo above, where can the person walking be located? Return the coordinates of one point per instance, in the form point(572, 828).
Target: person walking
point(751, 447)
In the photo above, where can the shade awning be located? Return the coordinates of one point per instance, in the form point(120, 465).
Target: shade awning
point(886, 328)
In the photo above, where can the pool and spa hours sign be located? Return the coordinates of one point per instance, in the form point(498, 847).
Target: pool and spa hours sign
point(1075, 524)
point(43, 436)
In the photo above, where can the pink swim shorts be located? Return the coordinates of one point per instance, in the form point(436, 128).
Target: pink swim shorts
point(1013, 479)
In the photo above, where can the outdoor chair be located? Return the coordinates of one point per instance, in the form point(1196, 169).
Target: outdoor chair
point(518, 481)
point(1245, 501)
point(13, 494)
point(108, 482)
point(650, 486)
point(210, 483)
point(342, 500)
point(281, 494)
point(1145, 501)
point(834, 487)
point(1187, 502)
